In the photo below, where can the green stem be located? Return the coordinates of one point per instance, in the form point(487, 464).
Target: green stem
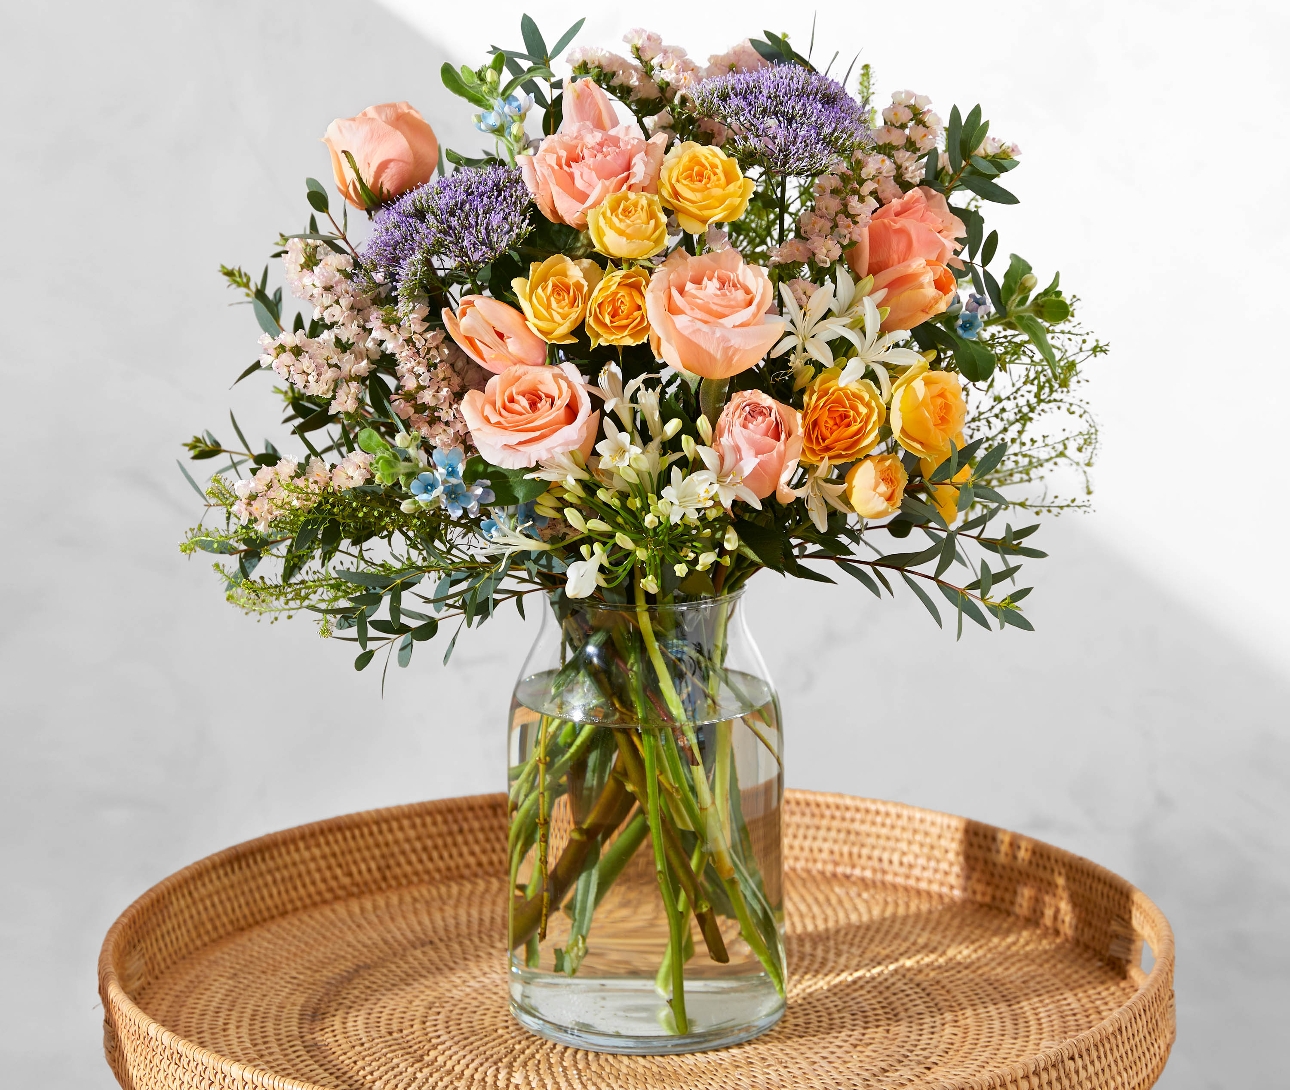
point(674, 919)
point(619, 854)
point(544, 827)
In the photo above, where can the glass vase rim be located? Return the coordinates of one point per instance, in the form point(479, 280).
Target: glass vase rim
point(601, 606)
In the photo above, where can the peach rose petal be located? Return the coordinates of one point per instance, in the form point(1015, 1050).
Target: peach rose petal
point(527, 414)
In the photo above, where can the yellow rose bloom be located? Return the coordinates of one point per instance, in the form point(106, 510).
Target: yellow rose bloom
point(703, 185)
point(627, 225)
point(554, 296)
point(944, 496)
point(840, 423)
point(927, 412)
point(616, 310)
point(876, 486)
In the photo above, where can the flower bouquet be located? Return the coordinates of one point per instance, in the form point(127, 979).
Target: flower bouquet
point(678, 324)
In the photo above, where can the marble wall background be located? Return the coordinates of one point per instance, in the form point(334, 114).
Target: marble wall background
point(144, 724)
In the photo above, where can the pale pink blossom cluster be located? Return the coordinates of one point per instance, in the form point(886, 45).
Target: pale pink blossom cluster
point(358, 330)
point(430, 371)
point(740, 57)
point(910, 130)
point(273, 491)
point(333, 363)
point(624, 74)
point(837, 219)
point(994, 148)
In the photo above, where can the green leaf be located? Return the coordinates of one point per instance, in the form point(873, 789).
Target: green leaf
point(379, 395)
point(984, 166)
point(453, 81)
point(1018, 268)
point(911, 560)
point(451, 644)
point(996, 294)
point(317, 200)
point(990, 460)
point(988, 190)
point(362, 578)
point(953, 133)
point(987, 251)
point(215, 545)
point(923, 597)
point(249, 371)
point(860, 575)
point(538, 72)
point(532, 37)
point(428, 630)
point(1033, 328)
point(396, 600)
point(931, 169)
point(964, 605)
point(360, 621)
point(267, 321)
point(948, 549)
point(975, 224)
point(189, 478)
point(405, 650)
point(361, 662)
point(970, 123)
point(987, 579)
point(566, 38)
point(509, 486)
point(976, 363)
point(921, 512)
point(1012, 617)
point(767, 543)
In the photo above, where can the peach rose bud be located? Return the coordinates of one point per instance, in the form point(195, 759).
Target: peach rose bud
point(393, 146)
point(876, 486)
point(529, 414)
point(767, 433)
point(494, 335)
point(709, 315)
point(586, 103)
point(915, 291)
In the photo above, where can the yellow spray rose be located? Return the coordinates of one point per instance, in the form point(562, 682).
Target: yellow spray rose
point(927, 412)
point(616, 310)
point(703, 185)
point(876, 486)
point(840, 423)
point(628, 225)
point(944, 496)
point(555, 294)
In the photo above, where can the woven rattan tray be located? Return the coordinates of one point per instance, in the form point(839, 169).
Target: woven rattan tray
point(367, 951)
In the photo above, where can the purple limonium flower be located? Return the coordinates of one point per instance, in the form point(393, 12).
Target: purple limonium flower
point(785, 117)
point(463, 221)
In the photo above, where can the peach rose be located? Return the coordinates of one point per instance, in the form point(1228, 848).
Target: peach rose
point(493, 334)
point(554, 296)
point(394, 147)
point(708, 314)
point(527, 414)
point(579, 166)
point(876, 486)
point(927, 412)
point(917, 225)
point(616, 311)
point(754, 425)
point(915, 291)
point(840, 423)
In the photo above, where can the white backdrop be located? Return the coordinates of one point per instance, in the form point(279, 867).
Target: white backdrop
point(143, 723)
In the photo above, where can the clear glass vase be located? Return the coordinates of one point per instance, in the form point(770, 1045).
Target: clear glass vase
point(645, 795)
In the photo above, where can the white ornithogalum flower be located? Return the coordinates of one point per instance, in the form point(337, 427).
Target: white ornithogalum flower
point(584, 575)
point(876, 353)
point(687, 496)
point(647, 402)
point(560, 468)
point(820, 494)
point(809, 329)
point(616, 399)
point(726, 469)
point(617, 448)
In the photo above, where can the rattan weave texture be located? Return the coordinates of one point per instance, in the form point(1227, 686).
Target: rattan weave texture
point(924, 951)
